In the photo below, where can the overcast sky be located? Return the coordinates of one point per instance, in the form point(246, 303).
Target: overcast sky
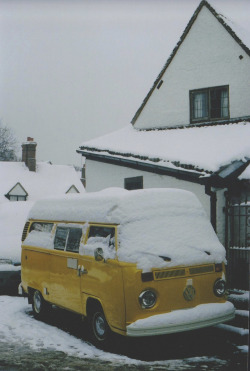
point(74, 70)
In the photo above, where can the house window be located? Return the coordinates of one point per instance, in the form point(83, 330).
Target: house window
point(209, 104)
point(17, 198)
point(133, 183)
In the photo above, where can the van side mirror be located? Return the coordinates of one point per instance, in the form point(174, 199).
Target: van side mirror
point(99, 254)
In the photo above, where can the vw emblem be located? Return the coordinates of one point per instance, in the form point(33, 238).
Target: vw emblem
point(189, 293)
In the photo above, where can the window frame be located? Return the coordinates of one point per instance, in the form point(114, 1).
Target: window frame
point(68, 228)
point(17, 198)
point(208, 91)
point(113, 226)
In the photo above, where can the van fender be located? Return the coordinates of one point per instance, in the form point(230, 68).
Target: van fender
point(91, 303)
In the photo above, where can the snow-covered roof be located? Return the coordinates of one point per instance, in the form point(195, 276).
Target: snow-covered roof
point(237, 21)
point(48, 180)
point(204, 148)
point(246, 174)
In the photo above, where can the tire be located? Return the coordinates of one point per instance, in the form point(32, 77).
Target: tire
point(100, 332)
point(39, 305)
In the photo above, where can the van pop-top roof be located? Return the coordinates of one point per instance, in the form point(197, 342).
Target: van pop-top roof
point(152, 223)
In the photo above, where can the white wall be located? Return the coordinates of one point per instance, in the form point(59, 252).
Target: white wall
point(100, 175)
point(208, 57)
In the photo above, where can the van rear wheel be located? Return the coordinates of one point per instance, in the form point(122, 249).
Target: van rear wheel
point(39, 305)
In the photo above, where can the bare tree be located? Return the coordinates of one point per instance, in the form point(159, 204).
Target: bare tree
point(8, 144)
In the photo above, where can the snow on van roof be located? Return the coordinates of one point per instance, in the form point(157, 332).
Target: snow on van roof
point(111, 205)
point(157, 227)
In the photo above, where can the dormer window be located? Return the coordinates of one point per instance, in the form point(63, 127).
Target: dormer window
point(209, 104)
point(17, 193)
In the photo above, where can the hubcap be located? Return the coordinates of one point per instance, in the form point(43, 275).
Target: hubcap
point(100, 326)
point(37, 302)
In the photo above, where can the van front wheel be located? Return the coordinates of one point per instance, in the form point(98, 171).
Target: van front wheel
point(99, 328)
point(39, 305)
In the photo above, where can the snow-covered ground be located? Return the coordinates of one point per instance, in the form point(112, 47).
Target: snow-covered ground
point(17, 326)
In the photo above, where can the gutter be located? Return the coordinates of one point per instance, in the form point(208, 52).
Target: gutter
point(194, 177)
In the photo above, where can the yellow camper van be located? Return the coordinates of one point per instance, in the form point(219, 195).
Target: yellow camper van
point(137, 263)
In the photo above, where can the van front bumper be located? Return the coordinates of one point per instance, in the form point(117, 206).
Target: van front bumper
point(203, 315)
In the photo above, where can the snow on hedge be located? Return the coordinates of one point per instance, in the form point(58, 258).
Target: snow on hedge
point(12, 219)
point(153, 223)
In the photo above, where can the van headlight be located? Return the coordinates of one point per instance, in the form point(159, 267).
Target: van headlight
point(147, 299)
point(219, 287)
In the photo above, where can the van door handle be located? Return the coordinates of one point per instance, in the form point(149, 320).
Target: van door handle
point(81, 270)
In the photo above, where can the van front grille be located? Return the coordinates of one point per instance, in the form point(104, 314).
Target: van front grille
point(170, 274)
point(182, 272)
point(204, 269)
point(25, 230)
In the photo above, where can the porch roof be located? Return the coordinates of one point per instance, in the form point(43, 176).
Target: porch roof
point(204, 149)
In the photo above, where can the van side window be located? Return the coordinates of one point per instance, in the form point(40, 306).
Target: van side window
point(67, 238)
point(101, 236)
point(61, 238)
point(74, 238)
point(41, 227)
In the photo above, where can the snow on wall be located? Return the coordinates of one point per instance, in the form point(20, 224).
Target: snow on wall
point(152, 223)
point(208, 57)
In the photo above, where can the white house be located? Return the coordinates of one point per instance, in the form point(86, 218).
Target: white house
point(192, 130)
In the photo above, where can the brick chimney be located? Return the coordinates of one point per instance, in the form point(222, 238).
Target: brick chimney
point(29, 154)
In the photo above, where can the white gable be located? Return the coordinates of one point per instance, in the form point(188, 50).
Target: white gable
point(72, 189)
point(208, 57)
point(18, 190)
